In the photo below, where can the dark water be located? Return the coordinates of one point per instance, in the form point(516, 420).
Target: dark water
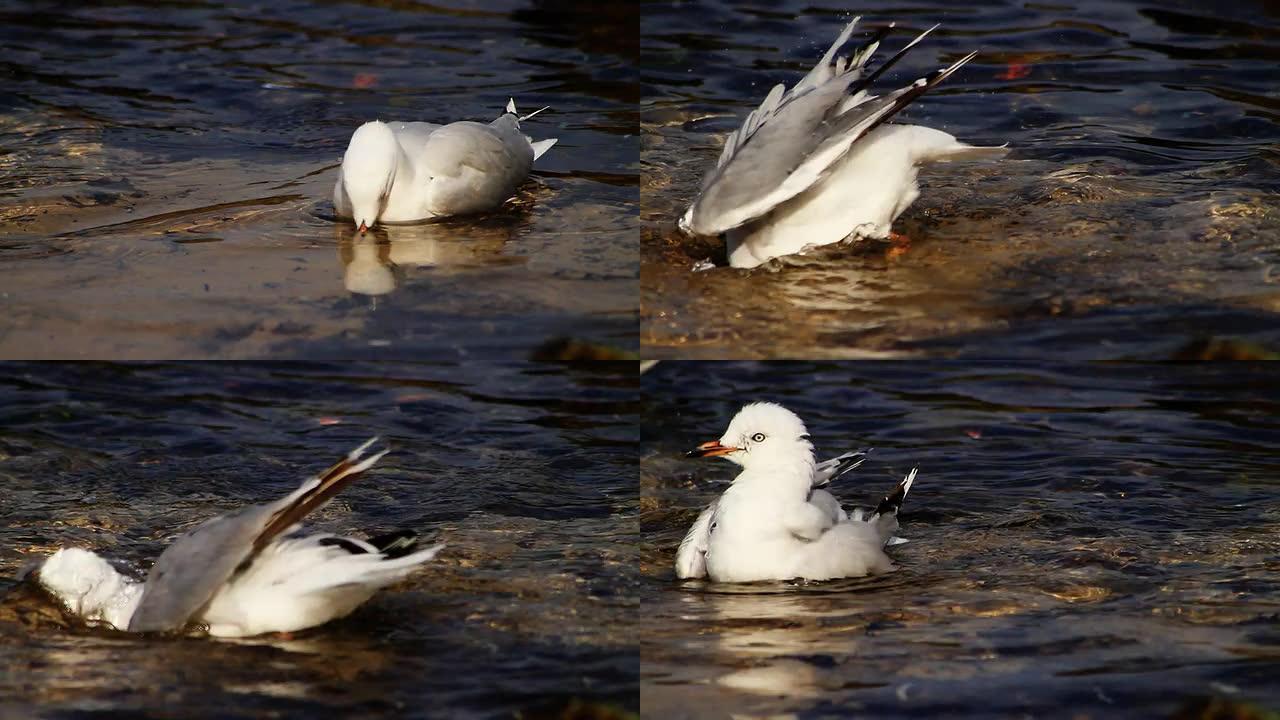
point(1095, 542)
point(166, 175)
point(527, 472)
point(1137, 212)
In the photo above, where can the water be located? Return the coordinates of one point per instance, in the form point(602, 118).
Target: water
point(527, 472)
point(166, 175)
point(1136, 215)
point(1092, 541)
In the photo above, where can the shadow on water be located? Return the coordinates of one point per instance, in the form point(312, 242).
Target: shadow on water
point(526, 472)
point(1141, 184)
point(1099, 539)
point(164, 174)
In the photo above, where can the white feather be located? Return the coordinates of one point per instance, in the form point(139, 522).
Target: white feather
point(297, 583)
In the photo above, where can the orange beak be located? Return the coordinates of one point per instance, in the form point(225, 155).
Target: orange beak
point(363, 228)
point(711, 449)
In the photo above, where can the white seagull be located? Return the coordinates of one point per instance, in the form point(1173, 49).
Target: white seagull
point(244, 573)
point(402, 172)
point(818, 163)
point(775, 522)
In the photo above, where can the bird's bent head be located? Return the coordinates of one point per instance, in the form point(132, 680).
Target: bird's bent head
point(760, 433)
point(89, 586)
point(368, 171)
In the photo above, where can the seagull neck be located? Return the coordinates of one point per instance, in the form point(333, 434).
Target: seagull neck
point(789, 475)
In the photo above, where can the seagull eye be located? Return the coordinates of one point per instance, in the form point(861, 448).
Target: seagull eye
point(758, 437)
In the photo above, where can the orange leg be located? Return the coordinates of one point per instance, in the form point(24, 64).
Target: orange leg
point(901, 244)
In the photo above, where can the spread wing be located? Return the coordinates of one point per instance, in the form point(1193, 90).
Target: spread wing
point(189, 572)
point(795, 137)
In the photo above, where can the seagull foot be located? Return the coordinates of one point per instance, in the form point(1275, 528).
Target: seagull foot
point(901, 244)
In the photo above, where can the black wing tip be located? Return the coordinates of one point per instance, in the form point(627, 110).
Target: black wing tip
point(878, 36)
point(395, 544)
point(893, 501)
point(344, 543)
point(849, 462)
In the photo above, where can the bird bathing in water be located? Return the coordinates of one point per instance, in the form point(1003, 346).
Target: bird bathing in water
point(818, 163)
point(777, 521)
point(247, 572)
point(402, 172)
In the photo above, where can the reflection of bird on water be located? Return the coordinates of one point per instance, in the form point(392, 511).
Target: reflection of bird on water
point(370, 259)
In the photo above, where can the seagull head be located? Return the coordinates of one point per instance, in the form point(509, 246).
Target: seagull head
point(368, 171)
point(89, 586)
point(761, 433)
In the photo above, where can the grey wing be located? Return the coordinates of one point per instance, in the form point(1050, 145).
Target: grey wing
point(189, 572)
point(474, 167)
point(752, 179)
point(477, 146)
point(691, 558)
point(828, 470)
point(826, 68)
point(796, 137)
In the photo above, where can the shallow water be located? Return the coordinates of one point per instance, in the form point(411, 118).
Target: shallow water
point(1087, 542)
point(527, 472)
point(166, 175)
point(1136, 214)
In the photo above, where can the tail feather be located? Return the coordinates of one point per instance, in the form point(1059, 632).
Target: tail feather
point(886, 514)
point(893, 501)
point(541, 147)
point(362, 569)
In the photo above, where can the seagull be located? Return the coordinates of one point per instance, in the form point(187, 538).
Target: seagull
point(819, 163)
point(775, 522)
point(401, 172)
point(244, 573)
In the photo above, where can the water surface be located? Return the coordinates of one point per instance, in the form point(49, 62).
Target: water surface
point(1136, 214)
point(1095, 542)
point(166, 175)
point(527, 472)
